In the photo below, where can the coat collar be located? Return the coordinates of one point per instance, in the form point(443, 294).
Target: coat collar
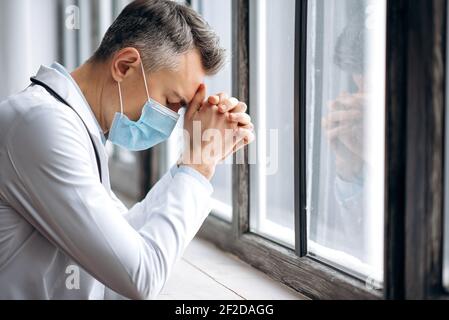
point(58, 79)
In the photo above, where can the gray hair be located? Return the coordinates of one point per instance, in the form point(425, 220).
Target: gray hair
point(162, 30)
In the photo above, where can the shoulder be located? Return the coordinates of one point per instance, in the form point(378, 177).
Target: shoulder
point(34, 119)
point(32, 103)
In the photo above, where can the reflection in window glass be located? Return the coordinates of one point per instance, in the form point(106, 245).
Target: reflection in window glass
point(345, 134)
point(272, 109)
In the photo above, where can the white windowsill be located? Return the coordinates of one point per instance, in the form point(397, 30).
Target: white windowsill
point(207, 273)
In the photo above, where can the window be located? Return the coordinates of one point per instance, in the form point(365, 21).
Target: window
point(272, 59)
point(291, 220)
point(345, 133)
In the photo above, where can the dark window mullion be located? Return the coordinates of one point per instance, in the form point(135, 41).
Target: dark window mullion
point(240, 83)
point(395, 139)
point(300, 128)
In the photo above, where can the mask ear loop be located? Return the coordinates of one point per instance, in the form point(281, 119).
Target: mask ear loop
point(145, 80)
point(120, 97)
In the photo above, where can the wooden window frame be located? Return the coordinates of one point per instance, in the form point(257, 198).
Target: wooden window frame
point(416, 123)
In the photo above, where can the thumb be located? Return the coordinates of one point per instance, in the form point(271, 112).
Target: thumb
point(197, 101)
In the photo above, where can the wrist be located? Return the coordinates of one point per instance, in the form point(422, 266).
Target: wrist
point(207, 170)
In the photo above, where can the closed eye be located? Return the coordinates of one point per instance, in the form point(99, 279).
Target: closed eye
point(175, 106)
point(181, 100)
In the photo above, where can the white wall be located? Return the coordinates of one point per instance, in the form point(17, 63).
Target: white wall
point(28, 38)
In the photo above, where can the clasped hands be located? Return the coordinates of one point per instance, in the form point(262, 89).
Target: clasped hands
point(344, 126)
point(214, 129)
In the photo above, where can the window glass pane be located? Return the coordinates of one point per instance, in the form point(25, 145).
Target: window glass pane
point(272, 109)
point(219, 15)
point(345, 134)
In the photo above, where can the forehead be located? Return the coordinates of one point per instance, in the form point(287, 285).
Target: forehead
point(188, 75)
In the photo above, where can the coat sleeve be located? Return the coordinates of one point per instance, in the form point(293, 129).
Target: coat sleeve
point(58, 192)
point(138, 215)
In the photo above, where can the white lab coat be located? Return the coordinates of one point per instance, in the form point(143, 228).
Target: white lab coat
point(56, 216)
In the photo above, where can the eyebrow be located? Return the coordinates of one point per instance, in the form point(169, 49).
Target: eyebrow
point(183, 100)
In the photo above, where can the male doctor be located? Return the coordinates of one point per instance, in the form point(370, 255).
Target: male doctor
point(57, 210)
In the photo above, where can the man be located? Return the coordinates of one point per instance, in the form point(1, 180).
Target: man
point(59, 218)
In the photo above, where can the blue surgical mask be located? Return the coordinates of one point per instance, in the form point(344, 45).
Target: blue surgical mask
point(155, 125)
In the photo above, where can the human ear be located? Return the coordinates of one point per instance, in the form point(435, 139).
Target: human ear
point(124, 63)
